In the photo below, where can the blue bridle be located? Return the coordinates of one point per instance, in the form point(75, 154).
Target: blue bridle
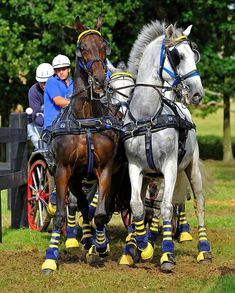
point(165, 52)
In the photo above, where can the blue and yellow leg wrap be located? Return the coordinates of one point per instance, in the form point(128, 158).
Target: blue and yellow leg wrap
point(52, 253)
point(203, 245)
point(129, 252)
point(184, 228)
point(101, 242)
point(167, 244)
point(145, 247)
point(86, 235)
point(93, 205)
point(141, 233)
point(71, 232)
point(153, 230)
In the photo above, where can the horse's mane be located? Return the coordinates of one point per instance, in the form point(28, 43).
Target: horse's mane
point(148, 33)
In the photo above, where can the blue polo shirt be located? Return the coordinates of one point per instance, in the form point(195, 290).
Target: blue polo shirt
point(54, 87)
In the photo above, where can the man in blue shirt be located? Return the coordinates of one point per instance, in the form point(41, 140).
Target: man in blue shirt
point(58, 90)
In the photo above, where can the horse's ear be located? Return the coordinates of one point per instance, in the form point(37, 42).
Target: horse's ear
point(170, 31)
point(99, 23)
point(78, 26)
point(187, 31)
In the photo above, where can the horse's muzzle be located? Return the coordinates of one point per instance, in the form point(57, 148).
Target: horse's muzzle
point(196, 99)
point(98, 84)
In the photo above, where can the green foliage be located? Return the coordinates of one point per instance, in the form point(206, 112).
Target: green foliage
point(35, 31)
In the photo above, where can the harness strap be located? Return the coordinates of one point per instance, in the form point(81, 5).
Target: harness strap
point(149, 149)
point(90, 151)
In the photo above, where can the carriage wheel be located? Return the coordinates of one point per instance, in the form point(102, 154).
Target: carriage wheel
point(39, 189)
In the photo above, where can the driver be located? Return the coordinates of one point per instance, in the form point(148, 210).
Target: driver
point(58, 90)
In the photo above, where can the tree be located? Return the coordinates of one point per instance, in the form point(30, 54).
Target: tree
point(33, 32)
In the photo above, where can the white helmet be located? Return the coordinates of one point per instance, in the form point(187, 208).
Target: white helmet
point(60, 61)
point(43, 72)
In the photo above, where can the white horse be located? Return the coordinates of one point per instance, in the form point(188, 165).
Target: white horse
point(154, 126)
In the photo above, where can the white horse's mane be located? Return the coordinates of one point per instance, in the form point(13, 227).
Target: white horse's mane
point(148, 33)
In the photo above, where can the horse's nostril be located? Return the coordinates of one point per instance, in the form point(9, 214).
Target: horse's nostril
point(196, 98)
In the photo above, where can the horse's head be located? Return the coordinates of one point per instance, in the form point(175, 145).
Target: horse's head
point(120, 88)
point(91, 52)
point(179, 66)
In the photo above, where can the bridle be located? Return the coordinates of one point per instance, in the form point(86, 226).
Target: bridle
point(111, 90)
point(86, 66)
point(173, 56)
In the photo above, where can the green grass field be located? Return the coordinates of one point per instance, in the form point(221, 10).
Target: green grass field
point(22, 251)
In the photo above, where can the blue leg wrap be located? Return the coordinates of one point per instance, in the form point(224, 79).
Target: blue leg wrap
point(100, 241)
point(92, 206)
point(152, 236)
point(71, 232)
point(53, 198)
point(52, 251)
point(91, 212)
point(204, 246)
point(167, 242)
point(184, 228)
point(141, 233)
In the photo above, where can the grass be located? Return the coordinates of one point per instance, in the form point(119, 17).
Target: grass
point(22, 251)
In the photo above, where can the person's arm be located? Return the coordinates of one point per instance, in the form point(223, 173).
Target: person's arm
point(61, 102)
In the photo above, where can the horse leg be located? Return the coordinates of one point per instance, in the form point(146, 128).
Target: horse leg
point(184, 228)
point(144, 246)
point(52, 252)
point(85, 221)
point(167, 260)
point(71, 230)
point(195, 179)
point(181, 192)
point(101, 242)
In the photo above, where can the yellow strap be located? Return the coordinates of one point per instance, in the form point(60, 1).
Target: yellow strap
point(180, 38)
point(86, 32)
point(122, 73)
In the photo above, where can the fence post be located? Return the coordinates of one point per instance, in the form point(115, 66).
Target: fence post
point(19, 160)
point(0, 216)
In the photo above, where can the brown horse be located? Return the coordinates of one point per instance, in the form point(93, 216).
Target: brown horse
point(84, 146)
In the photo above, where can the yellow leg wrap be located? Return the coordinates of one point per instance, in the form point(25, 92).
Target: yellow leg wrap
point(49, 264)
point(185, 236)
point(126, 260)
point(80, 221)
point(51, 209)
point(204, 256)
point(128, 237)
point(147, 253)
point(165, 258)
point(71, 243)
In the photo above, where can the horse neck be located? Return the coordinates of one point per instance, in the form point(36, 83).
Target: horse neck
point(81, 104)
point(148, 98)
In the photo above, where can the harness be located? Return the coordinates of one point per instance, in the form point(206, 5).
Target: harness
point(147, 126)
point(66, 124)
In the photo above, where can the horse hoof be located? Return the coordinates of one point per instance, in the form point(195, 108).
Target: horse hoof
point(93, 258)
point(185, 236)
point(147, 253)
point(167, 267)
point(126, 260)
point(71, 243)
point(49, 266)
point(204, 257)
point(167, 262)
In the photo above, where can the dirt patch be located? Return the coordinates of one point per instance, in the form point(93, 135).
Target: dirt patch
point(230, 202)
